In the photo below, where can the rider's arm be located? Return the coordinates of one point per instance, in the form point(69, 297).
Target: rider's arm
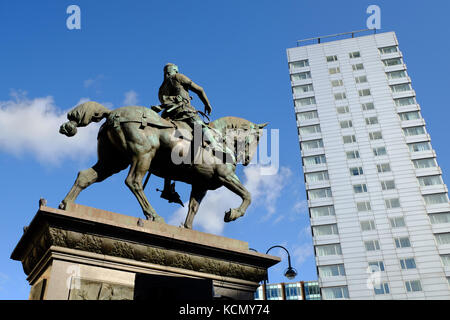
point(197, 89)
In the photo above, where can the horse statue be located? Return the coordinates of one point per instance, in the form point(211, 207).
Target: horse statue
point(138, 137)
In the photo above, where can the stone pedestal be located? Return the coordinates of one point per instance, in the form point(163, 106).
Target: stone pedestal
point(87, 253)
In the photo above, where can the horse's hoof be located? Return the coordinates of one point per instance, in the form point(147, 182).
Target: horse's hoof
point(232, 215)
point(159, 219)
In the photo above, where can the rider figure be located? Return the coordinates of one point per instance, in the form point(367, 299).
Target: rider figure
point(176, 105)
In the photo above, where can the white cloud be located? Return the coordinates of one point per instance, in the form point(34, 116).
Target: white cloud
point(93, 83)
point(301, 206)
point(265, 190)
point(31, 126)
point(301, 253)
point(131, 98)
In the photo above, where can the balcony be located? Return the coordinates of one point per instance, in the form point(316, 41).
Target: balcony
point(399, 80)
point(397, 67)
point(403, 94)
point(423, 154)
point(418, 138)
point(413, 123)
point(411, 107)
point(317, 185)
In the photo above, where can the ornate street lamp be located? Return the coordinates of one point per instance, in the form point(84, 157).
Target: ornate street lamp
point(289, 273)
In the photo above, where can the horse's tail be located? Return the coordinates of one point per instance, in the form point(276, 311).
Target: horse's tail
point(82, 115)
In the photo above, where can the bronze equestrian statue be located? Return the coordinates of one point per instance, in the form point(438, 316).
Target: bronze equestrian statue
point(138, 137)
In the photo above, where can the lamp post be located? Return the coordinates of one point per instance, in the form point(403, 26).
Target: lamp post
point(290, 272)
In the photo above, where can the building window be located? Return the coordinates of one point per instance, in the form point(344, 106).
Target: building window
point(335, 293)
point(340, 96)
point(318, 212)
point(367, 106)
point(402, 242)
point(386, 50)
point(314, 160)
point(367, 225)
point(414, 131)
point(360, 188)
point(356, 171)
point(376, 266)
point(439, 218)
point(303, 89)
point(442, 238)
point(337, 83)
point(383, 167)
point(312, 290)
point(392, 62)
point(331, 271)
point(342, 110)
point(299, 64)
point(419, 146)
point(305, 102)
point(332, 58)
point(361, 79)
point(363, 206)
point(382, 288)
point(358, 66)
point(309, 129)
point(380, 151)
point(397, 222)
point(325, 230)
point(388, 185)
point(309, 115)
point(334, 70)
point(310, 145)
point(392, 203)
point(408, 263)
point(274, 292)
point(371, 121)
point(430, 181)
point(405, 101)
point(293, 291)
point(352, 154)
point(406, 116)
point(355, 54)
point(376, 135)
point(401, 87)
point(372, 245)
point(445, 260)
point(364, 92)
point(396, 74)
point(413, 285)
point(328, 250)
point(425, 163)
point(349, 139)
point(316, 176)
point(319, 193)
point(346, 124)
point(301, 76)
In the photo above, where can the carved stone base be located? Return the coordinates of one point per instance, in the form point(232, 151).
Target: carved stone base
point(87, 253)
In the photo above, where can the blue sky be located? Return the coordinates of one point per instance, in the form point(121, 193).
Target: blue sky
point(236, 50)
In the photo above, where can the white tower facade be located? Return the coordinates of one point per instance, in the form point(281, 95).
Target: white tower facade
point(379, 209)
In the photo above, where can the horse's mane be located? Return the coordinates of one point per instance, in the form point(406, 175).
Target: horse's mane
point(225, 123)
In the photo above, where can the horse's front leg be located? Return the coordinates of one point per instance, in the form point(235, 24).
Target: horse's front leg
point(197, 195)
point(232, 182)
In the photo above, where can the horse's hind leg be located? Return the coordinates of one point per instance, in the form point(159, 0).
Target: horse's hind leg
point(197, 195)
point(232, 182)
point(99, 172)
point(139, 166)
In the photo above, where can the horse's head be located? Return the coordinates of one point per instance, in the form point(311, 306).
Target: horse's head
point(244, 141)
point(252, 140)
